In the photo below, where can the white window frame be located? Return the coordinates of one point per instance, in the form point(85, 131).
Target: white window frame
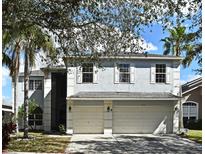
point(34, 84)
point(156, 73)
point(124, 72)
point(35, 120)
point(197, 109)
point(88, 72)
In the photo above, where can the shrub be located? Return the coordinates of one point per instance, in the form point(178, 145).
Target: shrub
point(7, 129)
point(32, 105)
point(193, 124)
point(61, 128)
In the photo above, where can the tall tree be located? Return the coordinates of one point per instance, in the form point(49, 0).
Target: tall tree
point(11, 59)
point(110, 26)
point(181, 43)
point(31, 40)
point(35, 39)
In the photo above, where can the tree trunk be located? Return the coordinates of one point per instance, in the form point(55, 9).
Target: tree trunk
point(26, 89)
point(15, 104)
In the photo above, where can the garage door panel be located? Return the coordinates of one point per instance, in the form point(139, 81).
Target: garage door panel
point(88, 119)
point(139, 119)
point(86, 116)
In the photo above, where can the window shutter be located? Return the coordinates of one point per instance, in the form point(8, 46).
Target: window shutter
point(152, 73)
point(79, 74)
point(116, 74)
point(132, 73)
point(168, 74)
point(95, 73)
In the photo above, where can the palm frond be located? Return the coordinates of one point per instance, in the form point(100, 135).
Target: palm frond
point(6, 60)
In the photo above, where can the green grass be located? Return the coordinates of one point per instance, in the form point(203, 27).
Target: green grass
point(38, 142)
point(195, 135)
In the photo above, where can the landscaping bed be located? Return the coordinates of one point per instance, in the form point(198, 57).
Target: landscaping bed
point(38, 142)
point(194, 135)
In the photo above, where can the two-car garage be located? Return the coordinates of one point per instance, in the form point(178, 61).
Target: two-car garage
point(127, 117)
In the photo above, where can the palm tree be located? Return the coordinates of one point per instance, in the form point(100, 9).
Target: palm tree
point(11, 59)
point(179, 43)
point(174, 43)
point(30, 41)
point(34, 40)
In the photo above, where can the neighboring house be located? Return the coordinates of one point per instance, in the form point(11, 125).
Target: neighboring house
point(192, 108)
point(7, 113)
point(129, 93)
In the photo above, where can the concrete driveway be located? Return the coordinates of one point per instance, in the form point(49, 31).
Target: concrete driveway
point(132, 144)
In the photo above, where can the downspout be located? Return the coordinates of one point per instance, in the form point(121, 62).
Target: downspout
point(180, 110)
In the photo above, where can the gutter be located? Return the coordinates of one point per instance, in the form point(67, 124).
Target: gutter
point(128, 57)
point(118, 98)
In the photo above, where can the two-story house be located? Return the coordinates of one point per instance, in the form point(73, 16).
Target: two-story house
point(128, 93)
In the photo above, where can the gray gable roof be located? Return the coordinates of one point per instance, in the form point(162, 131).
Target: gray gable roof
point(192, 85)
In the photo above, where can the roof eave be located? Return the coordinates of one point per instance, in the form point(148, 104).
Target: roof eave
point(133, 57)
point(130, 57)
point(119, 98)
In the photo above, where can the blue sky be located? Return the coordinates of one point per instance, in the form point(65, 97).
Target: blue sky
point(153, 38)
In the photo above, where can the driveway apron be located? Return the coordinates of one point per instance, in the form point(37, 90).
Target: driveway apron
point(132, 144)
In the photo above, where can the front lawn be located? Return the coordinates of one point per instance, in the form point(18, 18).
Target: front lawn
point(38, 142)
point(195, 135)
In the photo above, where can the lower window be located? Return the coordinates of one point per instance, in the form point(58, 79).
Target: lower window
point(36, 119)
point(190, 110)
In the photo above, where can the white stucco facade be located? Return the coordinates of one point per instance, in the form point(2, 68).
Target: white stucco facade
point(107, 115)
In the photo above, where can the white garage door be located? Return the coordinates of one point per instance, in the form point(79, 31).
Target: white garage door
point(88, 119)
point(141, 119)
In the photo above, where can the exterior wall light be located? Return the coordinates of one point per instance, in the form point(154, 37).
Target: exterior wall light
point(69, 108)
point(108, 109)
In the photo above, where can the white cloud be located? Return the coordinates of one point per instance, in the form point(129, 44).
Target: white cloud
point(6, 83)
point(6, 100)
point(148, 46)
point(5, 76)
point(182, 82)
point(190, 77)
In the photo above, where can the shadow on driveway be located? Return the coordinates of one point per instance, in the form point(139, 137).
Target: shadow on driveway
point(132, 144)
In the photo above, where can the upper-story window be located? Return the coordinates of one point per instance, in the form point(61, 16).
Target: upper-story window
point(87, 73)
point(160, 73)
point(35, 84)
point(124, 73)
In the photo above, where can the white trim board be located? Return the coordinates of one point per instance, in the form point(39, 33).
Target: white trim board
point(191, 90)
point(84, 98)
